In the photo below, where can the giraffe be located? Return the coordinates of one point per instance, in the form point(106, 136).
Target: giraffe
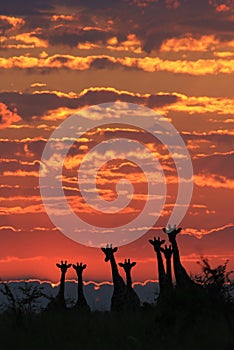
point(182, 278)
point(122, 299)
point(127, 266)
point(81, 303)
point(59, 301)
point(167, 251)
point(163, 281)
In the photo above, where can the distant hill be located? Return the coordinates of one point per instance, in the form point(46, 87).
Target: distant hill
point(98, 294)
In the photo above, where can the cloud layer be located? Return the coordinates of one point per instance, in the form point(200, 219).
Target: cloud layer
point(173, 56)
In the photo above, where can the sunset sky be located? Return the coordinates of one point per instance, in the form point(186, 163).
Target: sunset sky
point(173, 56)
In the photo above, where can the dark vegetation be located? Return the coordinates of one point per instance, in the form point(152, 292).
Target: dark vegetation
point(183, 320)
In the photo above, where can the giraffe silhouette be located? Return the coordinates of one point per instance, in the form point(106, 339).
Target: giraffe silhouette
point(163, 280)
point(81, 303)
point(168, 251)
point(59, 301)
point(122, 299)
point(182, 278)
point(127, 266)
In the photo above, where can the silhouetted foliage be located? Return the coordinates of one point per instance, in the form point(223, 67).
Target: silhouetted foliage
point(26, 300)
point(149, 328)
point(216, 280)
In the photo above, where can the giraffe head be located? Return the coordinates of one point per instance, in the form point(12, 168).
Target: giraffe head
point(79, 267)
point(64, 266)
point(172, 232)
point(109, 252)
point(157, 243)
point(127, 265)
point(167, 251)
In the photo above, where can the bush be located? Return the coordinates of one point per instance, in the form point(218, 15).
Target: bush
point(216, 280)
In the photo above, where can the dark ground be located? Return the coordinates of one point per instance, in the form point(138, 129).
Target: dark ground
point(179, 324)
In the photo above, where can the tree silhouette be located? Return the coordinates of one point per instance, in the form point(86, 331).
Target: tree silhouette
point(216, 280)
point(25, 303)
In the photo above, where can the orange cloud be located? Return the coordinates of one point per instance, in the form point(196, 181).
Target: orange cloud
point(201, 232)
point(7, 117)
point(223, 54)
point(88, 46)
point(58, 114)
point(3, 39)
point(222, 8)
point(147, 64)
point(12, 160)
point(21, 173)
point(188, 43)
point(201, 104)
point(69, 94)
point(30, 39)
point(32, 209)
point(198, 67)
point(111, 89)
point(11, 228)
point(184, 103)
point(14, 21)
point(88, 28)
point(17, 199)
point(132, 44)
point(56, 18)
point(202, 155)
point(36, 85)
point(210, 180)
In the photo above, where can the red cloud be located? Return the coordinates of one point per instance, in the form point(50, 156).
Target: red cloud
point(7, 117)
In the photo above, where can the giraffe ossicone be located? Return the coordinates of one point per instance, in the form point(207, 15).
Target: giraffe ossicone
point(170, 229)
point(123, 297)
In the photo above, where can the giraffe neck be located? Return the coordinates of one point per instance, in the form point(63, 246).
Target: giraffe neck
point(62, 285)
point(117, 279)
point(182, 278)
point(169, 273)
point(80, 286)
point(81, 300)
point(176, 256)
point(176, 253)
point(161, 270)
point(128, 278)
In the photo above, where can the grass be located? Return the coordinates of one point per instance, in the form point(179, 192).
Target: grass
point(178, 324)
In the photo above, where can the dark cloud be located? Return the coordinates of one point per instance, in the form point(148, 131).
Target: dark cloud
point(14, 165)
point(73, 36)
point(11, 148)
point(194, 17)
point(60, 59)
point(217, 242)
point(35, 22)
point(4, 26)
point(221, 140)
point(216, 164)
point(29, 105)
point(159, 100)
point(25, 7)
point(152, 24)
point(106, 63)
point(26, 191)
